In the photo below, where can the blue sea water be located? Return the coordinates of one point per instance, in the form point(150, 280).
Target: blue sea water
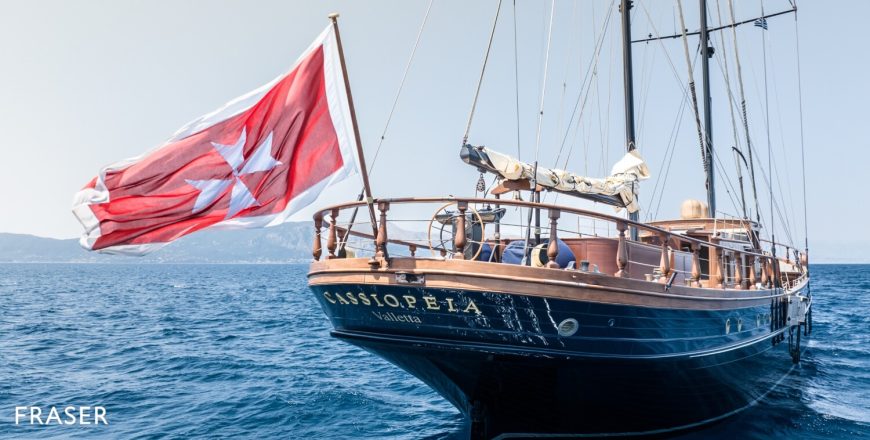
point(243, 351)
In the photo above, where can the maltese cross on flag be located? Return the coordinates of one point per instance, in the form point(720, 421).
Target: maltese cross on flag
point(253, 163)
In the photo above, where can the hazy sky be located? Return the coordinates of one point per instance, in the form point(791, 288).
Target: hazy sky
point(87, 83)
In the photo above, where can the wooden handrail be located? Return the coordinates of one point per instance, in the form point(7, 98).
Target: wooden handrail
point(525, 204)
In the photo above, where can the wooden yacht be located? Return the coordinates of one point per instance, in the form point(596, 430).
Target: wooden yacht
point(581, 324)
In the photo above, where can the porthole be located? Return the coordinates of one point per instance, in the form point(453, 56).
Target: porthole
point(739, 324)
point(568, 327)
point(611, 322)
point(728, 326)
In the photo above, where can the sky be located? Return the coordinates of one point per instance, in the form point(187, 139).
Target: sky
point(87, 83)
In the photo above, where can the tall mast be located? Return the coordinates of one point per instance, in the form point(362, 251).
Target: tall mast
point(625, 10)
point(706, 53)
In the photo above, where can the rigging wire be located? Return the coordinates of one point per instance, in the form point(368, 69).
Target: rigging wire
point(371, 166)
point(560, 118)
point(517, 79)
point(401, 86)
point(737, 152)
point(801, 113)
point(769, 149)
point(693, 91)
point(586, 81)
point(482, 71)
point(776, 173)
point(538, 134)
point(743, 112)
point(669, 156)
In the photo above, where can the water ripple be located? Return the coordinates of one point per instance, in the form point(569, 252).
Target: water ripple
point(243, 351)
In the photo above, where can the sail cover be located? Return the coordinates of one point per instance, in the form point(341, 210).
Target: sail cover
point(618, 189)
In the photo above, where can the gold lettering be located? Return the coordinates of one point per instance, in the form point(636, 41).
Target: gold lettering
point(431, 303)
point(365, 300)
point(472, 306)
point(328, 297)
point(352, 298)
point(450, 305)
point(391, 300)
point(376, 300)
point(341, 299)
point(410, 300)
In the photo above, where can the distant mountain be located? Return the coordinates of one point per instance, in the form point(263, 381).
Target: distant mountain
point(286, 243)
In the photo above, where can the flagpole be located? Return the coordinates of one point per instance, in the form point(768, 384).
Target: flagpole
point(363, 168)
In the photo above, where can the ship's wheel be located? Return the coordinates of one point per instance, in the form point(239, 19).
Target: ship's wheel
point(445, 217)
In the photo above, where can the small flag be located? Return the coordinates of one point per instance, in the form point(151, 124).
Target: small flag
point(761, 22)
point(253, 163)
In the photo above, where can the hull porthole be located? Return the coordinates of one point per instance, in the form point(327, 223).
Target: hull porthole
point(568, 327)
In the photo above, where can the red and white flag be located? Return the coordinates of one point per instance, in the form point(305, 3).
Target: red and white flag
point(252, 163)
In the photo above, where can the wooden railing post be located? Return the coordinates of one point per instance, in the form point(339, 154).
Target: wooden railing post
point(753, 278)
point(621, 251)
point(715, 263)
point(381, 241)
point(665, 263)
point(696, 265)
point(318, 250)
point(460, 240)
point(332, 240)
point(413, 250)
point(738, 270)
point(764, 274)
point(553, 246)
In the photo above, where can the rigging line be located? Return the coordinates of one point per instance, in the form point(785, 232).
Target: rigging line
point(538, 134)
point(544, 84)
point(601, 134)
point(517, 79)
point(482, 71)
point(646, 82)
point(664, 50)
point(669, 156)
point(401, 85)
point(694, 94)
point(732, 103)
point(737, 152)
point(585, 100)
point(788, 180)
point(371, 165)
point(801, 114)
point(767, 122)
point(586, 80)
point(762, 219)
point(560, 118)
point(672, 145)
point(605, 147)
point(744, 114)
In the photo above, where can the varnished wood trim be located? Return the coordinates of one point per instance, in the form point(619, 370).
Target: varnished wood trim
point(573, 285)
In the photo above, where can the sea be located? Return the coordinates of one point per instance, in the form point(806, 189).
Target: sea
point(243, 351)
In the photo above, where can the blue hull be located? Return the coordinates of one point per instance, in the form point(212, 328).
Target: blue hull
point(501, 360)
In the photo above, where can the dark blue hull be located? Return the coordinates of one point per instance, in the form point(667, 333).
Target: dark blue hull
point(500, 358)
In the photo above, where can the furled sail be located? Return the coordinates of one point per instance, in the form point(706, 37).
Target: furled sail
point(618, 189)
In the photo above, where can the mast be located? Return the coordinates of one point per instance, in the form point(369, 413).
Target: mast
point(706, 53)
point(628, 80)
